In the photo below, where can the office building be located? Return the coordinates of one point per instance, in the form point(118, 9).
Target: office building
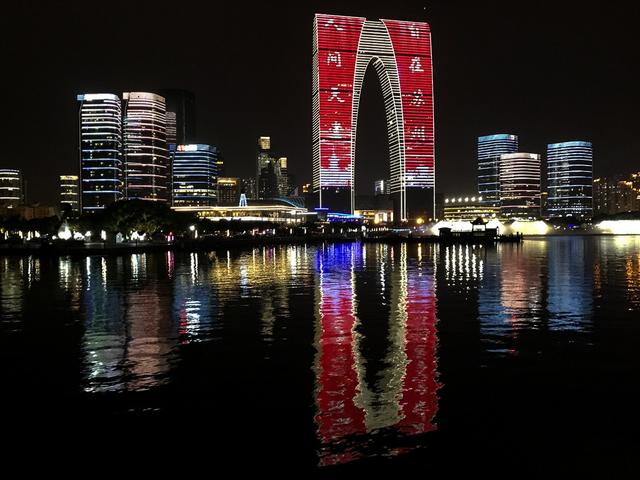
point(400, 52)
point(100, 150)
point(228, 191)
point(490, 147)
point(381, 187)
point(283, 177)
point(616, 194)
point(248, 187)
point(520, 186)
point(570, 180)
point(194, 175)
point(11, 188)
point(146, 156)
point(70, 193)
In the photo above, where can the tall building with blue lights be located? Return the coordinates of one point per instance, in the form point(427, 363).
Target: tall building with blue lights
point(490, 147)
point(570, 180)
point(100, 138)
point(194, 175)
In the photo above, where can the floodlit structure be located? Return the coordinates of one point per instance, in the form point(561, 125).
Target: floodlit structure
point(400, 52)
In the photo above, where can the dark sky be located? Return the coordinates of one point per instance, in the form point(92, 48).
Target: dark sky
point(545, 70)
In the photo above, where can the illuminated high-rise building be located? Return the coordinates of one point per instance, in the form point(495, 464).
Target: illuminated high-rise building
point(194, 175)
point(283, 177)
point(70, 193)
point(570, 180)
point(520, 186)
point(181, 116)
point(100, 138)
point(11, 188)
point(267, 170)
point(490, 147)
point(343, 49)
point(145, 147)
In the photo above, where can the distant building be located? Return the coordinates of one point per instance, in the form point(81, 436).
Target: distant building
point(100, 149)
point(570, 180)
point(283, 177)
point(467, 209)
point(381, 187)
point(181, 116)
point(194, 175)
point(490, 147)
point(248, 187)
point(616, 194)
point(11, 188)
point(520, 186)
point(70, 193)
point(272, 177)
point(228, 191)
point(146, 155)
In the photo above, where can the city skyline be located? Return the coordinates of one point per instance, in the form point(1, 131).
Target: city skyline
point(580, 85)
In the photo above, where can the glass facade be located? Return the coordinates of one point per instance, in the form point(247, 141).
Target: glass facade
point(194, 175)
point(11, 191)
point(490, 147)
point(145, 147)
point(343, 48)
point(101, 166)
point(569, 180)
point(70, 193)
point(520, 186)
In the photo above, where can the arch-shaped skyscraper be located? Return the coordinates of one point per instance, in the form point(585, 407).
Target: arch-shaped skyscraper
point(400, 51)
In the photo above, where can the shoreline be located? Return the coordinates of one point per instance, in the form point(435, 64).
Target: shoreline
point(62, 249)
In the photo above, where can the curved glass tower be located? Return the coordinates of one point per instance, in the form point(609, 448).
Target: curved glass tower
point(570, 179)
point(101, 169)
point(145, 147)
point(490, 147)
point(194, 175)
point(520, 186)
point(343, 48)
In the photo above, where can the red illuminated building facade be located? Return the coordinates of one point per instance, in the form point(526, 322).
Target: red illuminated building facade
point(400, 52)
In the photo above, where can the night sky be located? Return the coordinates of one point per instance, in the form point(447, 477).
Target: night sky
point(547, 71)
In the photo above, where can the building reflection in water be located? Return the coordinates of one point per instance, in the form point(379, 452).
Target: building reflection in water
point(104, 341)
point(570, 284)
point(128, 340)
point(511, 294)
point(193, 297)
point(403, 396)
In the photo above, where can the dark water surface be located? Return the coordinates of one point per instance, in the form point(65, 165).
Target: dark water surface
point(332, 359)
